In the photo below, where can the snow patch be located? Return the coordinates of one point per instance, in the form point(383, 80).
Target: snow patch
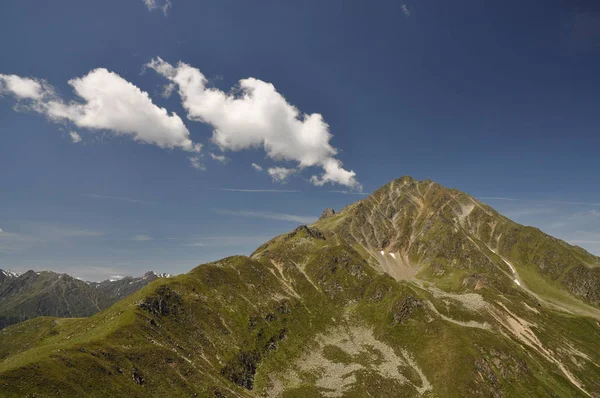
point(10, 274)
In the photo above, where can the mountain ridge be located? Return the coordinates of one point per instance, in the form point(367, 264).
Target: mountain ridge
point(326, 310)
point(481, 222)
point(47, 293)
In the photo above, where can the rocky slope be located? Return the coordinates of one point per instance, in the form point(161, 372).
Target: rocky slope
point(417, 290)
point(428, 228)
point(48, 293)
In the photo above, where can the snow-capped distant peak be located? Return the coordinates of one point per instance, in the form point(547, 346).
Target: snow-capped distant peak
point(154, 274)
point(115, 278)
point(10, 273)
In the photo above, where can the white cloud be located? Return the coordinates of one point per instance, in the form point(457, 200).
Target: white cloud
point(334, 173)
point(587, 215)
point(280, 174)
point(75, 137)
point(559, 202)
point(195, 244)
point(521, 214)
point(254, 114)
point(216, 241)
point(219, 158)
point(36, 233)
point(254, 190)
point(120, 198)
point(269, 216)
point(1, 231)
point(56, 232)
point(168, 90)
point(142, 238)
point(163, 5)
point(405, 9)
point(257, 167)
point(109, 102)
point(13, 242)
point(24, 87)
point(196, 162)
point(351, 193)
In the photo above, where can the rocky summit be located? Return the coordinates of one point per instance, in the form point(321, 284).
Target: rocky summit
point(416, 290)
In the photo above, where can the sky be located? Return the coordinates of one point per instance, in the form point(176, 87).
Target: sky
point(158, 135)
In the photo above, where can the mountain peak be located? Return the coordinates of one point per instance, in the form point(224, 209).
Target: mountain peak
point(9, 273)
point(361, 300)
point(33, 294)
point(328, 212)
point(408, 227)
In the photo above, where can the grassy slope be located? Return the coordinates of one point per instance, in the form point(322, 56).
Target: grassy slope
point(236, 324)
point(423, 220)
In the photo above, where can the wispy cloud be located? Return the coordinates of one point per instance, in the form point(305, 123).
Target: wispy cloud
point(30, 235)
point(351, 193)
point(212, 241)
point(56, 232)
point(559, 202)
point(255, 190)
point(257, 167)
point(528, 212)
point(196, 162)
point(497, 198)
point(269, 216)
point(209, 238)
point(219, 158)
point(162, 5)
point(570, 203)
point(120, 198)
point(405, 9)
point(75, 137)
point(195, 244)
point(142, 238)
point(579, 242)
point(280, 174)
point(13, 242)
point(590, 215)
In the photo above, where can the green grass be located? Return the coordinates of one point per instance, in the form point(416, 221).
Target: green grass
point(236, 324)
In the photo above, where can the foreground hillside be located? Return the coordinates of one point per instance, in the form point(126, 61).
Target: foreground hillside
point(46, 293)
point(417, 290)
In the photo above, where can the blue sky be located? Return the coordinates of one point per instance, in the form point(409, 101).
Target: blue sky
point(103, 173)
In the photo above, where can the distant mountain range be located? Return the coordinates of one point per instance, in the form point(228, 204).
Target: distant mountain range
point(416, 290)
point(32, 294)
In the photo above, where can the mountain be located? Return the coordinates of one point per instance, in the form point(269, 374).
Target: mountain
point(417, 290)
point(48, 293)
